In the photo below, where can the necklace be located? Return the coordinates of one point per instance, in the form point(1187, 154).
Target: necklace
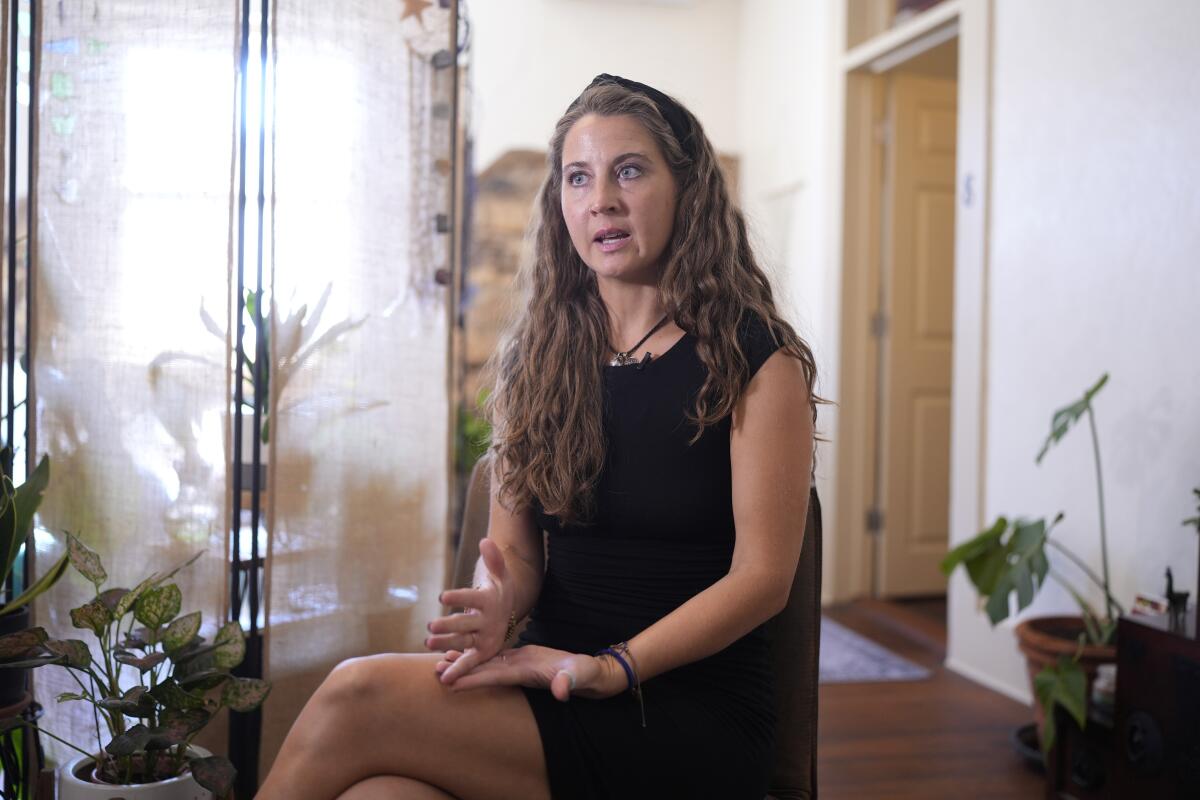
point(620, 359)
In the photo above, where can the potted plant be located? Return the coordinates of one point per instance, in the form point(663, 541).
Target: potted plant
point(155, 686)
point(18, 504)
point(1009, 558)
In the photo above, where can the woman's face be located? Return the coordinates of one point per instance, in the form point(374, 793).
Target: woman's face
point(618, 198)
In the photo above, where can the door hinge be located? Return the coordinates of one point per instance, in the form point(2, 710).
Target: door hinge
point(874, 521)
point(879, 324)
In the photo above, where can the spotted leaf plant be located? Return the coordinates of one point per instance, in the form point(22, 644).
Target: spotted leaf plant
point(156, 682)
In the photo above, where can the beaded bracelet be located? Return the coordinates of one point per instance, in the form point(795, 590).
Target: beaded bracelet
point(635, 683)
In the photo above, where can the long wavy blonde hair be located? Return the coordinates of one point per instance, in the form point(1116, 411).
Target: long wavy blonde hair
point(546, 407)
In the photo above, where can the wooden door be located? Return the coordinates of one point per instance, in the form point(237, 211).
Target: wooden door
point(916, 328)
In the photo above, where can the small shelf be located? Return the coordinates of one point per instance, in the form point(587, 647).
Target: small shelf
point(907, 40)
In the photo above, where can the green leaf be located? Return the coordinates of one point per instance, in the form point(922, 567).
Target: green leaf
point(48, 579)
point(92, 616)
point(230, 643)
point(983, 556)
point(136, 702)
point(203, 680)
point(180, 632)
point(16, 516)
point(138, 739)
point(22, 643)
point(158, 606)
point(68, 696)
point(998, 566)
point(111, 598)
point(1067, 416)
point(1063, 684)
point(74, 652)
point(245, 694)
point(138, 637)
point(142, 663)
point(169, 694)
point(131, 597)
point(86, 561)
point(214, 773)
point(182, 723)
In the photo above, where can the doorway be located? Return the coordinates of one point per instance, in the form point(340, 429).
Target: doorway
point(898, 315)
point(914, 323)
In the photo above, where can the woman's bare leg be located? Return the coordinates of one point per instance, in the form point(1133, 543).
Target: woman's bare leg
point(390, 787)
point(389, 715)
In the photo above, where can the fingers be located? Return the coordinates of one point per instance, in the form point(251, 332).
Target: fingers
point(448, 658)
point(462, 598)
point(498, 671)
point(493, 559)
point(562, 685)
point(451, 641)
point(456, 623)
point(460, 667)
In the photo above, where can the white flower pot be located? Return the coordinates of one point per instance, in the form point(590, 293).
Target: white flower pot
point(72, 787)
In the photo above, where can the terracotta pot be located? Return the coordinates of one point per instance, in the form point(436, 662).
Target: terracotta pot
point(1044, 639)
point(73, 784)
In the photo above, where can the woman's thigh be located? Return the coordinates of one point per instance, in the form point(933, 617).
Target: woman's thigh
point(390, 715)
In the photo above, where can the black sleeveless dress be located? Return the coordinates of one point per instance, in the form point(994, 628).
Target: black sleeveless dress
point(663, 532)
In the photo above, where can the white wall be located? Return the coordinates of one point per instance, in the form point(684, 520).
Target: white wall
point(1094, 267)
point(785, 100)
point(531, 58)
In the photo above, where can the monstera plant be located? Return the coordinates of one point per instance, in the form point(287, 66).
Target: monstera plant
point(154, 680)
point(1009, 558)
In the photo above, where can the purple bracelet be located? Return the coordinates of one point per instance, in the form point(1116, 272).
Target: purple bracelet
point(635, 684)
point(608, 651)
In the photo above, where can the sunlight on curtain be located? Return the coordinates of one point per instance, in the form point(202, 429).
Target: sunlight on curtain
point(135, 105)
point(359, 461)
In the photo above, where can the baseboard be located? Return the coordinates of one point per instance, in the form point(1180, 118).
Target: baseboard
point(988, 682)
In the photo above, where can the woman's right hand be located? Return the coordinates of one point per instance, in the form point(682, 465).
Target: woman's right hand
point(479, 631)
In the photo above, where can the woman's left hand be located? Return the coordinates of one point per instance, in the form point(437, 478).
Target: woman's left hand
point(563, 673)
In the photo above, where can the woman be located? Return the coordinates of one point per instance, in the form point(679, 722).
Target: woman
point(654, 416)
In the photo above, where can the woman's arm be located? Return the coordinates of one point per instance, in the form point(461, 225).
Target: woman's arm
point(771, 461)
point(508, 579)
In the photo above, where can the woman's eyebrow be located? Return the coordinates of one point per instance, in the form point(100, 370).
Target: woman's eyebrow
point(621, 157)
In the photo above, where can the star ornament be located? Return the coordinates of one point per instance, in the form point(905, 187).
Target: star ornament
point(414, 8)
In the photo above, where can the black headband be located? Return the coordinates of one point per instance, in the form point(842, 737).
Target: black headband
point(669, 109)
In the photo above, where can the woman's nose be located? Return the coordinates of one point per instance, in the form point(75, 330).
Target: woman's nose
point(606, 198)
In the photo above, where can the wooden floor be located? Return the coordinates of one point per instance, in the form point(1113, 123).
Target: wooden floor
point(946, 737)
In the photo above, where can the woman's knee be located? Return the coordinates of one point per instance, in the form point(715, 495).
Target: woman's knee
point(373, 683)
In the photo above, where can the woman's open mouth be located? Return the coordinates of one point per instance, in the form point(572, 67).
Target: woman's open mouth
point(611, 239)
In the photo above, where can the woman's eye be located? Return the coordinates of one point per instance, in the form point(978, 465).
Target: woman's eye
point(576, 179)
point(629, 171)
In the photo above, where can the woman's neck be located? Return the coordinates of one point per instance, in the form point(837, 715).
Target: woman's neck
point(632, 310)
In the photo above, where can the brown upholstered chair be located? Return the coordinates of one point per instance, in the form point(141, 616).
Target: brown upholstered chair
point(795, 641)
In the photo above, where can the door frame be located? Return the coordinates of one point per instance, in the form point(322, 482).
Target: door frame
point(861, 92)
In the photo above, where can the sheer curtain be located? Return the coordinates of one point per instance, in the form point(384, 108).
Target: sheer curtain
point(135, 236)
point(359, 437)
point(132, 194)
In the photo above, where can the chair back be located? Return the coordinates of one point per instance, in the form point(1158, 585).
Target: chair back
point(795, 654)
point(474, 523)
